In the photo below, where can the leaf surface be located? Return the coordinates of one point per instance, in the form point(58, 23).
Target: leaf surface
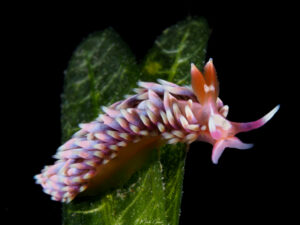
point(170, 59)
point(99, 66)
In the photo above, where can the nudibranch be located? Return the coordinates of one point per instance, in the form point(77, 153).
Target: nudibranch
point(157, 113)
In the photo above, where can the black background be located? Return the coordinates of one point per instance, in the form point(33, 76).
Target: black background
point(252, 47)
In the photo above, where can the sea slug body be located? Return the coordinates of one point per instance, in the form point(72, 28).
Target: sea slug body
point(157, 111)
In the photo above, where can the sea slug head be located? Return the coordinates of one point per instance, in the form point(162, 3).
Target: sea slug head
point(217, 130)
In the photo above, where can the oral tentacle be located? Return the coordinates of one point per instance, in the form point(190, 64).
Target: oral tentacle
point(244, 127)
point(234, 142)
point(217, 151)
point(231, 142)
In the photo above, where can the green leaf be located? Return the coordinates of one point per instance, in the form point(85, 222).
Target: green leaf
point(175, 50)
point(99, 65)
point(138, 202)
point(97, 68)
point(170, 59)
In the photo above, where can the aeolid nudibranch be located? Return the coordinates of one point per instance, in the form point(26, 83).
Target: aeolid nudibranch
point(158, 112)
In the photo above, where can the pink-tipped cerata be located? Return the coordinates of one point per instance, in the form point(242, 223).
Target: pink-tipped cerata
point(157, 111)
